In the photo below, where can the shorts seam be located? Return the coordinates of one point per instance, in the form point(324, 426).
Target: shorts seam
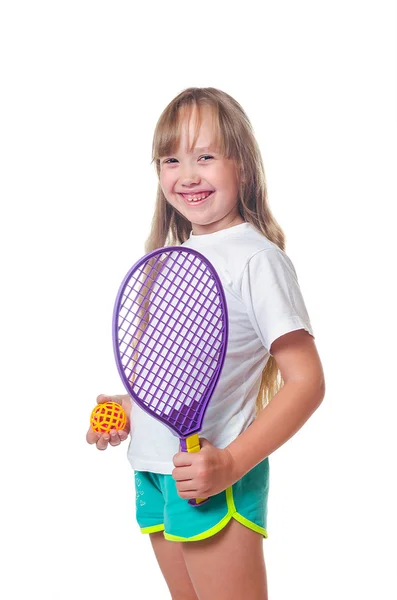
point(240, 518)
point(231, 514)
point(152, 528)
point(201, 536)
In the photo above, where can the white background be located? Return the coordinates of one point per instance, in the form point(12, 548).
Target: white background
point(83, 84)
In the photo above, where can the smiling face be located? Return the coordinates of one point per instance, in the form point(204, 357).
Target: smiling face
point(201, 183)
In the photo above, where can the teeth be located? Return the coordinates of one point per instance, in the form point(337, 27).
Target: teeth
point(196, 198)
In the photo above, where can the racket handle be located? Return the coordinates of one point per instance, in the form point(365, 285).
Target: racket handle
point(192, 444)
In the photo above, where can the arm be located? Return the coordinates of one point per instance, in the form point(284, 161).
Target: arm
point(303, 391)
point(212, 470)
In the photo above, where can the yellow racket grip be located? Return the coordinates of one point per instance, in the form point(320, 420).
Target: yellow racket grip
point(193, 445)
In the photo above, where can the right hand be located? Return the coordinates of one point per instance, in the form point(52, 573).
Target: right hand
point(114, 438)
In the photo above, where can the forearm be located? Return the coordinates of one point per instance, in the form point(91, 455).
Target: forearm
point(287, 412)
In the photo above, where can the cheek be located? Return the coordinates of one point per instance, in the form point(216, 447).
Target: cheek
point(167, 182)
point(162, 181)
point(230, 185)
point(226, 178)
point(164, 176)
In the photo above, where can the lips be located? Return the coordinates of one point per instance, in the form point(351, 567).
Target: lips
point(190, 198)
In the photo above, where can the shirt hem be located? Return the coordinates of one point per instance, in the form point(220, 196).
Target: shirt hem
point(153, 467)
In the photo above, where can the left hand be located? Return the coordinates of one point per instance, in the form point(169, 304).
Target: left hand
point(205, 473)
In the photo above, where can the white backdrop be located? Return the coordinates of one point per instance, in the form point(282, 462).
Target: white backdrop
point(83, 84)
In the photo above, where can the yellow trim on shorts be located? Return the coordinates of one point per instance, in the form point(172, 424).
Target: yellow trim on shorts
point(231, 514)
point(152, 529)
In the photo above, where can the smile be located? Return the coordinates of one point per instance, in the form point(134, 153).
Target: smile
point(197, 199)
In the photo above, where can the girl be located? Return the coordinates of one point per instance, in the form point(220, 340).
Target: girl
point(212, 197)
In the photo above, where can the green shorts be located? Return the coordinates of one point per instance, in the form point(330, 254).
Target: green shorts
point(159, 508)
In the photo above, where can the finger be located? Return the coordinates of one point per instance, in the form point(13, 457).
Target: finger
point(126, 427)
point(188, 495)
point(204, 443)
point(114, 438)
point(92, 436)
point(119, 399)
point(182, 474)
point(119, 434)
point(103, 441)
point(185, 486)
point(183, 459)
point(123, 434)
point(105, 398)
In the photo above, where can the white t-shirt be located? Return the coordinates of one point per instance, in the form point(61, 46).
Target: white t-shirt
point(264, 302)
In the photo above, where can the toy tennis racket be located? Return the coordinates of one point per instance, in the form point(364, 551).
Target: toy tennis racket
point(170, 332)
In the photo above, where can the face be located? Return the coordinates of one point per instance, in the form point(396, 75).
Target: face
point(202, 184)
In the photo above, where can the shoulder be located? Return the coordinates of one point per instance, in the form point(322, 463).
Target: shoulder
point(272, 258)
point(257, 253)
point(248, 245)
point(251, 241)
point(241, 251)
point(264, 256)
point(270, 269)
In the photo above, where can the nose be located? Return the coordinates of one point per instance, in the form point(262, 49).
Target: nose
point(189, 176)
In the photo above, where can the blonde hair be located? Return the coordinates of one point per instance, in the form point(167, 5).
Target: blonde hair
point(235, 139)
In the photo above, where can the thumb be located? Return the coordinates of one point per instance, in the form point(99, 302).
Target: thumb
point(204, 443)
point(106, 398)
point(123, 401)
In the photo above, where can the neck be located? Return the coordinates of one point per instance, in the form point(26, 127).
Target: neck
point(225, 223)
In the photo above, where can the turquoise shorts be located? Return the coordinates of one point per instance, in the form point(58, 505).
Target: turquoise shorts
point(159, 508)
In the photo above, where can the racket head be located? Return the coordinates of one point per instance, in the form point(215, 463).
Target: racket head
point(170, 333)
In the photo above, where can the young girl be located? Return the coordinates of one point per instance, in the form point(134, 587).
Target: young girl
point(212, 197)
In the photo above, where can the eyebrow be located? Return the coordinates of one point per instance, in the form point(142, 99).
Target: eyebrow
point(202, 149)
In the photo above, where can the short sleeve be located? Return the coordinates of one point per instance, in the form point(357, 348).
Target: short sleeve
point(272, 296)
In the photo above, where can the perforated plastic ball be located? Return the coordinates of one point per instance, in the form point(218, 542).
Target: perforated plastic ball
point(107, 416)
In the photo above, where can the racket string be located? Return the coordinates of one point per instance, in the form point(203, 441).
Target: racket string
point(172, 315)
point(160, 387)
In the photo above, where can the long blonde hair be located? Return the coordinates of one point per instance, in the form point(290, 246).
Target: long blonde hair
point(236, 140)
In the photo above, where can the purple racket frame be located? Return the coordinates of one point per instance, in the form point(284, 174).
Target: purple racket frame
point(196, 411)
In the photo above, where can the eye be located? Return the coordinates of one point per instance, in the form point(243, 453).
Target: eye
point(206, 156)
point(166, 161)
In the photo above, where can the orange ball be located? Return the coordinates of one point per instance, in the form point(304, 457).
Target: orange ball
point(107, 416)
